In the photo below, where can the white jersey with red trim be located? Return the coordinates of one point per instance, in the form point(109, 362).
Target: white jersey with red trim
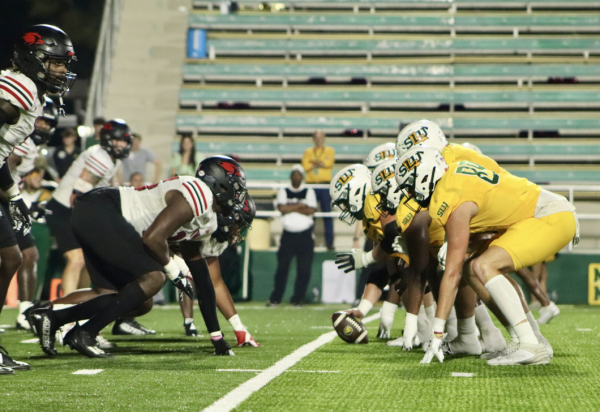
point(28, 152)
point(95, 160)
point(213, 248)
point(20, 91)
point(141, 206)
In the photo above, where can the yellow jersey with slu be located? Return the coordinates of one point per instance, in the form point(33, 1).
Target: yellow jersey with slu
point(503, 199)
point(453, 153)
point(405, 215)
point(371, 223)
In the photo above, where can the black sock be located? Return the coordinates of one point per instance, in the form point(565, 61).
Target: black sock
point(129, 298)
point(83, 310)
point(207, 299)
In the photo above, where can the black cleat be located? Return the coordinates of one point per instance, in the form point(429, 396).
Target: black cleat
point(8, 362)
point(6, 371)
point(222, 348)
point(45, 327)
point(84, 343)
point(28, 312)
point(190, 329)
point(129, 326)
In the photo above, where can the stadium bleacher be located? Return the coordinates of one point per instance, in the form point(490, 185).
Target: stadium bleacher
point(518, 78)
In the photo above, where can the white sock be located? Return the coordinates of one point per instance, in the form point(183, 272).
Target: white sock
point(187, 321)
point(430, 312)
point(236, 323)
point(508, 301)
point(512, 333)
point(388, 310)
point(532, 322)
point(23, 306)
point(466, 326)
point(483, 319)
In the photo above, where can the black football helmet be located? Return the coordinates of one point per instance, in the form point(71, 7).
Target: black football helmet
point(50, 115)
point(116, 129)
point(226, 180)
point(230, 227)
point(35, 47)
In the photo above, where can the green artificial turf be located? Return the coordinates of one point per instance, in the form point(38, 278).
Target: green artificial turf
point(169, 372)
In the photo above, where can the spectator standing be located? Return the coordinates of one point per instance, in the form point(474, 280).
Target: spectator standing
point(318, 162)
point(137, 161)
point(297, 205)
point(95, 138)
point(60, 158)
point(185, 162)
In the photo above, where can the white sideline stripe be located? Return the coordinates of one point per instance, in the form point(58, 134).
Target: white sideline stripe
point(34, 340)
point(462, 375)
point(583, 330)
point(7, 326)
point(260, 370)
point(243, 392)
point(87, 371)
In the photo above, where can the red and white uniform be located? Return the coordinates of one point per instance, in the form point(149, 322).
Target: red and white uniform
point(212, 248)
point(141, 206)
point(97, 161)
point(28, 152)
point(22, 93)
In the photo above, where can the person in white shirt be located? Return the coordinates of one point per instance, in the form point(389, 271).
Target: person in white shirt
point(297, 204)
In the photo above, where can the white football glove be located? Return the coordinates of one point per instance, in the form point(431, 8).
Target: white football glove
point(442, 255)
point(399, 245)
point(178, 279)
point(385, 327)
point(434, 349)
point(357, 259)
point(410, 332)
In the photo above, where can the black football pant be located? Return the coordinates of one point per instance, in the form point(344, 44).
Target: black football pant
point(301, 246)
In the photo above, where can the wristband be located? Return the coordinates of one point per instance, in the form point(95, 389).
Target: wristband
point(369, 259)
point(364, 306)
point(439, 325)
point(216, 335)
point(172, 269)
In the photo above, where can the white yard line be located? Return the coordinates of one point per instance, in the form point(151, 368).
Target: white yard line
point(462, 374)
point(87, 371)
point(243, 392)
point(261, 370)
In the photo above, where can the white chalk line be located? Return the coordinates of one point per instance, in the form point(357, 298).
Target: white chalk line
point(462, 374)
point(87, 372)
point(243, 392)
point(261, 370)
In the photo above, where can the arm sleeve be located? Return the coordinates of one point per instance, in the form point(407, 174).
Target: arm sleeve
point(281, 197)
point(311, 198)
point(206, 293)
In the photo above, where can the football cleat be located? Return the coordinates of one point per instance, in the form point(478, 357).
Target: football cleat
point(84, 343)
point(510, 347)
point(22, 323)
point(8, 362)
point(62, 331)
point(129, 326)
point(544, 343)
point(244, 338)
point(27, 312)
point(526, 354)
point(547, 313)
point(222, 348)
point(462, 345)
point(190, 329)
point(103, 343)
point(6, 371)
point(45, 327)
point(396, 342)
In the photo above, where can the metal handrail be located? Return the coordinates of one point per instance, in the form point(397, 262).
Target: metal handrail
point(111, 20)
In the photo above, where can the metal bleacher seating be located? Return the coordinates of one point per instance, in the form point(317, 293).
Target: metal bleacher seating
point(520, 78)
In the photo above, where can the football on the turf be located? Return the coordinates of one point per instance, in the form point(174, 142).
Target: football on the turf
point(349, 328)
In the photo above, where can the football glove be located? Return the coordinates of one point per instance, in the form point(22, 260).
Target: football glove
point(184, 286)
point(19, 213)
point(399, 245)
point(410, 332)
point(38, 210)
point(434, 349)
point(384, 331)
point(356, 259)
point(442, 255)
point(222, 348)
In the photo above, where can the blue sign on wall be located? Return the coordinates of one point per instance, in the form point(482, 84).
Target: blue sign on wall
point(196, 44)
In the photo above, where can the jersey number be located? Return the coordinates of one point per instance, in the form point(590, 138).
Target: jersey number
point(473, 169)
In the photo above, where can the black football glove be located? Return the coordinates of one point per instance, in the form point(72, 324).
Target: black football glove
point(19, 214)
point(357, 259)
point(184, 286)
point(38, 210)
point(222, 348)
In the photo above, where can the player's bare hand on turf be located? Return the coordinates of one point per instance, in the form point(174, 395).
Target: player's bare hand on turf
point(434, 349)
point(19, 213)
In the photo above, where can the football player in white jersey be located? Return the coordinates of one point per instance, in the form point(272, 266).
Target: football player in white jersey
point(21, 162)
point(228, 233)
point(131, 248)
point(42, 57)
point(95, 167)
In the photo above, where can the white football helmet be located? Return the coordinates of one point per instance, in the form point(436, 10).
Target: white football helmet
point(348, 190)
point(418, 133)
point(472, 146)
point(418, 172)
point(384, 184)
point(380, 154)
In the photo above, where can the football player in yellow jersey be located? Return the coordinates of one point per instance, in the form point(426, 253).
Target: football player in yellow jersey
point(351, 191)
point(466, 198)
